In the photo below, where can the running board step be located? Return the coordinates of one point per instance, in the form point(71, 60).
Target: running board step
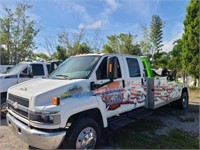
point(127, 118)
point(139, 113)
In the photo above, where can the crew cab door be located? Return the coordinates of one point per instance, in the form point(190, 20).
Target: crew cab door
point(135, 92)
point(111, 92)
point(30, 72)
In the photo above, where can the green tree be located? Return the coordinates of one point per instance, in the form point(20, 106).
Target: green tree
point(41, 57)
point(156, 33)
point(112, 45)
point(84, 49)
point(174, 62)
point(122, 43)
point(17, 32)
point(190, 40)
point(61, 53)
point(74, 44)
point(160, 60)
point(175, 56)
point(145, 44)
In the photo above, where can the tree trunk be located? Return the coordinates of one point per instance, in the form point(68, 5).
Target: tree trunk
point(184, 77)
point(195, 82)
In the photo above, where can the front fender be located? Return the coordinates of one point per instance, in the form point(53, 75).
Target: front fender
point(6, 83)
point(77, 105)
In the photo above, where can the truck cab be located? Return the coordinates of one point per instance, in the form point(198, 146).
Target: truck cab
point(21, 72)
point(83, 96)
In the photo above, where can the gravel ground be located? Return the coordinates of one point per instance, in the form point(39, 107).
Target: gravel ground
point(187, 120)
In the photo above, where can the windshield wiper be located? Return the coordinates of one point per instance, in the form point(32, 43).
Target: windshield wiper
point(62, 75)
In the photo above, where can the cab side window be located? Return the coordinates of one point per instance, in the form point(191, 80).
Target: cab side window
point(24, 73)
point(101, 72)
point(37, 69)
point(49, 68)
point(133, 66)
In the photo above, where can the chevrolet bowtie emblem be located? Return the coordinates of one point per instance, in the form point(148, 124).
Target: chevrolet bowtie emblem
point(15, 105)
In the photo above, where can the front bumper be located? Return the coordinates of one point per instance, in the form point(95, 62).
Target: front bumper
point(35, 137)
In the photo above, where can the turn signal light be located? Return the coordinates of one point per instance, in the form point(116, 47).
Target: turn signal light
point(110, 67)
point(56, 101)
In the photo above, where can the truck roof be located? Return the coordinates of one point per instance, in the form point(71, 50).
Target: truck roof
point(103, 54)
point(34, 62)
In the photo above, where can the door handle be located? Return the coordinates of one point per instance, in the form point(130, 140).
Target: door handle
point(142, 81)
point(123, 83)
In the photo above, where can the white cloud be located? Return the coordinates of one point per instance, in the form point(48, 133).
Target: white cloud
point(82, 11)
point(140, 7)
point(73, 6)
point(113, 4)
point(177, 32)
point(95, 25)
point(88, 21)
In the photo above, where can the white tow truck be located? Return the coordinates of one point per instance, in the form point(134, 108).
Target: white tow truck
point(22, 72)
point(85, 95)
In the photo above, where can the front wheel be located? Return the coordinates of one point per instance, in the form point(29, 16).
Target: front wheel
point(3, 108)
point(84, 134)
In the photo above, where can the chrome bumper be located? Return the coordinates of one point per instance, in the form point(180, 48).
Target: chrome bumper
point(34, 137)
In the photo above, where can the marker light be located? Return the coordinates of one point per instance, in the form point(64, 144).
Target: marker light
point(56, 101)
point(110, 67)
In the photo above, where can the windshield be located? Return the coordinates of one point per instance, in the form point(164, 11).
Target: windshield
point(76, 67)
point(16, 68)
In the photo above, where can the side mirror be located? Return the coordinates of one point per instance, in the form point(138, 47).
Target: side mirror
point(8, 68)
point(30, 72)
point(30, 75)
point(112, 70)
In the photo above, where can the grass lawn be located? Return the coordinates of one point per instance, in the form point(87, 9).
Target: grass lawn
point(142, 135)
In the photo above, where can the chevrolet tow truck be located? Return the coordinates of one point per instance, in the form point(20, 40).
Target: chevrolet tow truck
point(85, 95)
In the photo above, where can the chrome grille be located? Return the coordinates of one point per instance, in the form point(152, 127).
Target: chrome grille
point(18, 105)
point(20, 100)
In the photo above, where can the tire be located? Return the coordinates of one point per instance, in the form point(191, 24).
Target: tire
point(183, 102)
point(3, 108)
point(84, 134)
point(31, 147)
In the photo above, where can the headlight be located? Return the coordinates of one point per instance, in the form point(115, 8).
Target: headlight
point(45, 117)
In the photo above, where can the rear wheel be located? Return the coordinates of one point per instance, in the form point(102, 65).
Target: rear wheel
point(84, 134)
point(3, 108)
point(183, 102)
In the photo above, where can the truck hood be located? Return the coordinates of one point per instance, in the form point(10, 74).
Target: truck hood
point(7, 75)
point(41, 91)
point(6, 81)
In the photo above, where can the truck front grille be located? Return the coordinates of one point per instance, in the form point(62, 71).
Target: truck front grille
point(18, 105)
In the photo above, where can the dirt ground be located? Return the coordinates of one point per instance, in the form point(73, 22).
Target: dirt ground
point(187, 121)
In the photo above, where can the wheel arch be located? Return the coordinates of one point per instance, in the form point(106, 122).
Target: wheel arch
point(185, 89)
point(94, 113)
point(3, 95)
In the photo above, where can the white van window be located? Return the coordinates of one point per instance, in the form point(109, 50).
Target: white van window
point(133, 66)
point(37, 69)
point(101, 72)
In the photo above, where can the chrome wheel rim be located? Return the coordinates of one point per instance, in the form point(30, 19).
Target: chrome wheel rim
point(184, 101)
point(86, 139)
point(3, 109)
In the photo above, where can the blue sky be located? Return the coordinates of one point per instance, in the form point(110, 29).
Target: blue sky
point(108, 17)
